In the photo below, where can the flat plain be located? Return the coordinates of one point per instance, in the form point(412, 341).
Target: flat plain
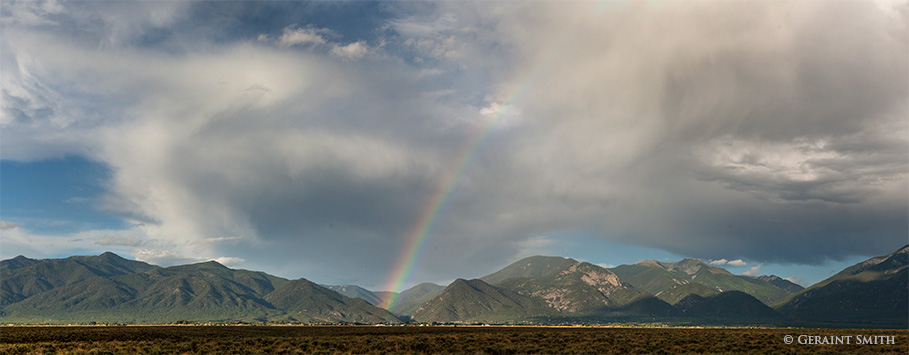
point(440, 340)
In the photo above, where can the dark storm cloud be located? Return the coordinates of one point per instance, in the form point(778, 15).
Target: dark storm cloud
point(745, 130)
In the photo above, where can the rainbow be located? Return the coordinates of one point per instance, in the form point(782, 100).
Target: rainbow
point(404, 266)
point(442, 192)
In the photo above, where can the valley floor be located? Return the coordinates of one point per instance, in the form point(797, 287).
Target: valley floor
point(443, 340)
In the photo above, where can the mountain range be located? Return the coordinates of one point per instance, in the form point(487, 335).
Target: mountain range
point(534, 290)
point(108, 288)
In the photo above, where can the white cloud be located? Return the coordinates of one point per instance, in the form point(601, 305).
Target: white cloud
point(20, 241)
point(721, 262)
point(169, 258)
point(229, 261)
point(738, 262)
point(753, 271)
point(7, 225)
point(293, 36)
point(505, 115)
point(352, 51)
point(162, 257)
point(222, 239)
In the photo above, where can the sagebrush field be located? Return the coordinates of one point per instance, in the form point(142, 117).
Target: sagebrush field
point(427, 340)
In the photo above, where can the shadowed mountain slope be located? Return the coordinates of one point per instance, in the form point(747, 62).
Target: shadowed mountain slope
point(874, 291)
point(726, 305)
point(476, 301)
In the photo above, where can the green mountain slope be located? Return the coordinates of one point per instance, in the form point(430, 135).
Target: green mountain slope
point(254, 282)
point(202, 292)
point(478, 301)
point(874, 291)
point(22, 277)
point(673, 281)
point(198, 292)
point(97, 293)
point(305, 301)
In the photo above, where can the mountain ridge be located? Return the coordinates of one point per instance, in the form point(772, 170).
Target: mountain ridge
point(533, 290)
point(206, 291)
point(872, 291)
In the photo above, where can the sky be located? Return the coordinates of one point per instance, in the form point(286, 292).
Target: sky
point(385, 144)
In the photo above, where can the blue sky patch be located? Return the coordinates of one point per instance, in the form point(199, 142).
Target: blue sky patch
point(56, 196)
